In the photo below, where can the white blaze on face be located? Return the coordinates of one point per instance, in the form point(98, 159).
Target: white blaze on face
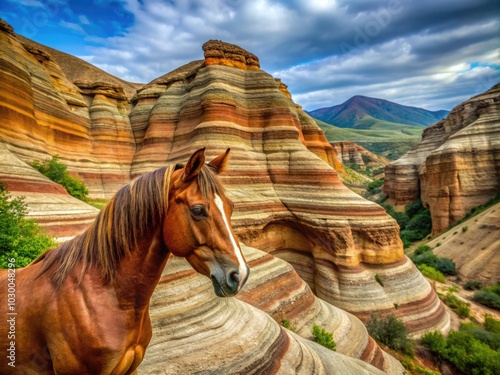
point(241, 263)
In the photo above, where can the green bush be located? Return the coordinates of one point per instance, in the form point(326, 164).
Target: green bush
point(467, 353)
point(422, 249)
point(20, 238)
point(487, 298)
point(435, 341)
point(390, 331)
point(378, 280)
point(460, 307)
point(414, 208)
point(431, 273)
point(470, 355)
point(56, 171)
point(323, 337)
point(287, 324)
point(428, 258)
point(446, 266)
point(473, 285)
point(491, 324)
point(375, 184)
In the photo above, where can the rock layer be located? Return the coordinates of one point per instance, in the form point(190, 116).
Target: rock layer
point(43, 114)
point(457, 164)
point(196, 332)
point(354, 154)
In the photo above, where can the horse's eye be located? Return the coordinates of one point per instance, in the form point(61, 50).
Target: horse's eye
point(199, 211)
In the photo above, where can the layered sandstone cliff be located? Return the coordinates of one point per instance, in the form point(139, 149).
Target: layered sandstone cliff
point(282, 177)
point(353, 154)
point(456, 166)
point(44, 113)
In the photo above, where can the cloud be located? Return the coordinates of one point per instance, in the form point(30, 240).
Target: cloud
point(426, 53)
point(73, 26)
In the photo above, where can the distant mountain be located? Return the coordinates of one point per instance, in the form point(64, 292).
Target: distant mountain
point(362, 112)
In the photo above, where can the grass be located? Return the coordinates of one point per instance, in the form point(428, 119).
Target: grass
point(98, 203)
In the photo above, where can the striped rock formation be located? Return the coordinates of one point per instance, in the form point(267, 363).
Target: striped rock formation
point(196, 332)
point(352, 153)
point(49, 203)
point(456, 166)
point(44, 113)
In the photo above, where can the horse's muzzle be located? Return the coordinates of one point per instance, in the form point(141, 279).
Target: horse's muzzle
point(227, 284)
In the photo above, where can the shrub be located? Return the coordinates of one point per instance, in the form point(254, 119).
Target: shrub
point(446, 266)
point(435, 341)
point(414, 208)
point(323, 337)
point(491, 324)
point(467, 353)
point(20, 238)
point(428, 258)
point(422, 249)
point(390, 331)
point(465, 229)
point(56, 171)
point(470, 355)
point(431, 273)
point(378, 280)
point(286, 323)
point(487, 298)
point(460, 307)
point(473, 285)
point(375, 184)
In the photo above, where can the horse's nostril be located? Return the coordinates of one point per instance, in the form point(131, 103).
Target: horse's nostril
point(235, 276)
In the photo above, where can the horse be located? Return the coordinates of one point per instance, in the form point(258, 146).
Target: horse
point(83, 307)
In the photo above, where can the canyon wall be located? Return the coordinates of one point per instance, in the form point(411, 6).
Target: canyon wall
point(353, 154)
point(456, 166)
point(289, 201)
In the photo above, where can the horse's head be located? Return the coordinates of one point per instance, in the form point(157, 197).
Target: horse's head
point(198, 226)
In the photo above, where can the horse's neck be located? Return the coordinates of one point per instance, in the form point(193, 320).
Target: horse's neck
point(140, 271)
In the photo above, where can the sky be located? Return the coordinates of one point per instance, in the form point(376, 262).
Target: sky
point(432, 54)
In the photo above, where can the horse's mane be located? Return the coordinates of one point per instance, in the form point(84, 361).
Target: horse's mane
point(133, 211)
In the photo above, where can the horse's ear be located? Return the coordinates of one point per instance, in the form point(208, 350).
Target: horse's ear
point(219, 163)
point(194, 164)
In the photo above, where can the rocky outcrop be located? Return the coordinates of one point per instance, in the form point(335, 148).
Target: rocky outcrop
point(354, 154)
point(217, 52)
point(44, 113)
point(194, 331)
point(474, 246)
point(457, 164)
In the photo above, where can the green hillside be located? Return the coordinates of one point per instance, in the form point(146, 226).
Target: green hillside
point(384, 138)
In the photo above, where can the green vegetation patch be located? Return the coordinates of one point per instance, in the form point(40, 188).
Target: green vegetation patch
point(57, 172)
point(489, 296)
point(391, 332)
point(323, 337)
point(465, 351)
point(21, 239)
